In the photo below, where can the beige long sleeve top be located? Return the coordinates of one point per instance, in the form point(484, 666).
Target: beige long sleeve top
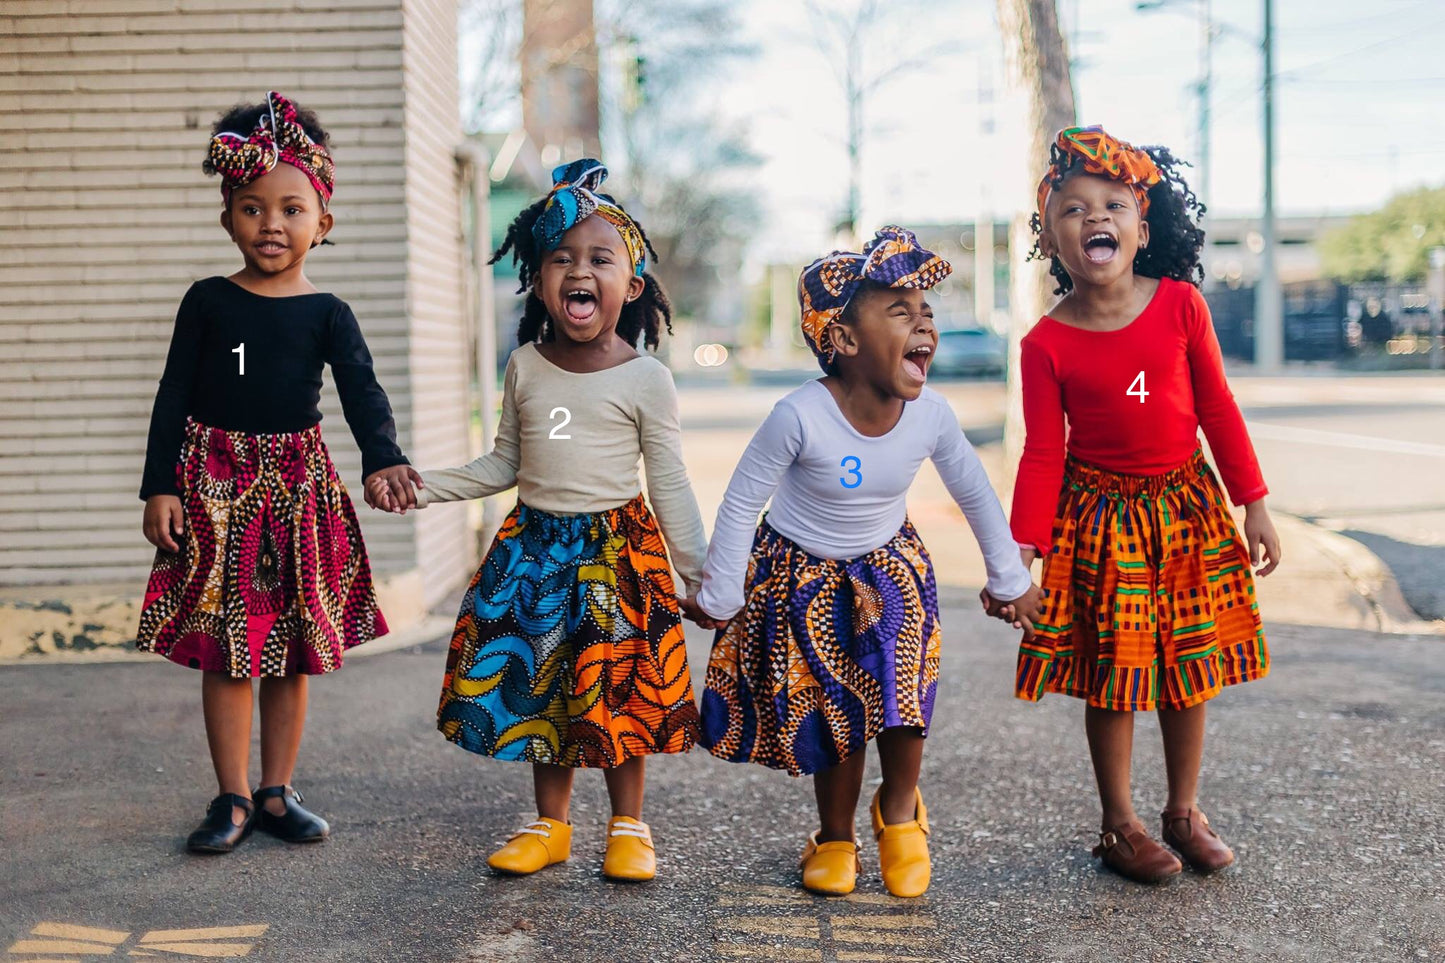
point(570, 444)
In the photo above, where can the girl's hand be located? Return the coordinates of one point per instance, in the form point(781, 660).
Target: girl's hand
point(1259, 532)
point(1024, 611)
point(694, 613)
point(164, 516)
point(390, 489)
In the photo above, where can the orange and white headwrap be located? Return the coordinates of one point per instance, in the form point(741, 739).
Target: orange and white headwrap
point(1101, 154)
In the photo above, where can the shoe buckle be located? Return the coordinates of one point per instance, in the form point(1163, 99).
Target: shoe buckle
point(1109, 840)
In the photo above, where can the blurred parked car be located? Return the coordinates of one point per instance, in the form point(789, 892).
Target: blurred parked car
point(969, 352)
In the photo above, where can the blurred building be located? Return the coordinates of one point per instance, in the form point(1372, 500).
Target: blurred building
point(560, 110)
point(1232, 246)
point(107, 219)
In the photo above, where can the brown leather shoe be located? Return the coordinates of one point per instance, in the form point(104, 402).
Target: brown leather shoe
point(1132, 854)
point(1201, 847)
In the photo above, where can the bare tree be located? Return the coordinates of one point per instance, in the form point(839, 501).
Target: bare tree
point(1038, 63)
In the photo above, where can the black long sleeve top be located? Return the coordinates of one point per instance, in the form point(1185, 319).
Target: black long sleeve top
point(288, 340)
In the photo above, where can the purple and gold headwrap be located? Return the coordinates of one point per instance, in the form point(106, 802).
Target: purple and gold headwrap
point(574, 197)
point(1104, 155)
point(893, 259)
point(278, 137)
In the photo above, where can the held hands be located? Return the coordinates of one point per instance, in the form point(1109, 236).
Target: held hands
point(694, 613)
point(390, 489)
point(1022, 611)
point(1259, 532)
point(164, 522)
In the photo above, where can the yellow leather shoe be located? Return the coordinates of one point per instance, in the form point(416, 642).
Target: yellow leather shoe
point(903, 850)
point(830, 868)
point(536, 845)
point(630, 857)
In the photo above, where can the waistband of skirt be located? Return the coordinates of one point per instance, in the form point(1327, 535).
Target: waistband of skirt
point(263, 445)
point(635, 509)
point(772, 539)
point(1093, 478)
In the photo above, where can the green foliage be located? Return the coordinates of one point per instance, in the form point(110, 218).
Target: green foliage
point(1391, 244)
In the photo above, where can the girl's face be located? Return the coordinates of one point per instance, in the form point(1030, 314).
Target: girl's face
point(275, 220)
point(586, 279)
point(1093, 226)
point(890, 340)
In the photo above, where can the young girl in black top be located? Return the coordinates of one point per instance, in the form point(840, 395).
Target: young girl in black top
point(260, 569)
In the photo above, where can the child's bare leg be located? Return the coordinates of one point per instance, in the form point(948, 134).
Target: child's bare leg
point(625, 784)
point(283, 719)
point(1111, 744)
point(1183, 731)
point(553, 788)
point(837, 790)
point(900, 750)
point(226, 706)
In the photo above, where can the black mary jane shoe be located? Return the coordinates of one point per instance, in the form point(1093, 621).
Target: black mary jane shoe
point(218, 832)
point(299, 825)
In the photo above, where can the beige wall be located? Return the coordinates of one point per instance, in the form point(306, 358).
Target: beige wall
point(106, 218)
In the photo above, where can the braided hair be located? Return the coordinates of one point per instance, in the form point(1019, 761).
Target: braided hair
point(645, 316)
point(1175, 237)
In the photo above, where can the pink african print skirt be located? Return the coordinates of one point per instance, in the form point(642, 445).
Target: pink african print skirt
point(272, 577)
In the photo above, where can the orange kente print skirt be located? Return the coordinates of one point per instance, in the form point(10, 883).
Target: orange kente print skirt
point(1148, 594)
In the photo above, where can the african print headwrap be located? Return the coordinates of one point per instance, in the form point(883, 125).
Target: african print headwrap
point(893, 259)
point(574, 197)
point(278, 137)
point(1104, 155)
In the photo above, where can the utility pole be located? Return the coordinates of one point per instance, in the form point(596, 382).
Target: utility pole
point(1268, 299)
point(983, 288)
point(1206, 80)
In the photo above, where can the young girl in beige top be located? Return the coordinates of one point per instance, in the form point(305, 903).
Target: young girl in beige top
point(568, 650)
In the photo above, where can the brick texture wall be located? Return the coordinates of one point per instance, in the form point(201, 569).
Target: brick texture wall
point(106, 218)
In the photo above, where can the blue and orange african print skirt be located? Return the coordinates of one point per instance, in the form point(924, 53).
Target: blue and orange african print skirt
point(1148, 595)
point(569, 647)
point(825, 654)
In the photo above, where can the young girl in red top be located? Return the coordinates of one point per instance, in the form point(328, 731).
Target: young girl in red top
point(1149, 598)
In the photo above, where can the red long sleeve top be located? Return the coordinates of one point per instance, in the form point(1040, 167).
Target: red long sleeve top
point(1135, 399)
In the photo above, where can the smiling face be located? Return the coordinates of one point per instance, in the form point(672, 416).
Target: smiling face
point(586, 279)
point(275, 220)
point(889, 340)
point(1093, 226)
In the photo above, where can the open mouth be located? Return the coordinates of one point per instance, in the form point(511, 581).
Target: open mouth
point(1101, 247)
point(915, 362)
point(271, 248)
point(581, 305)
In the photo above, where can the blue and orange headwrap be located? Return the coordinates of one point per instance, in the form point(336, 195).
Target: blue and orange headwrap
point(894, 259)
point(278, 137)
point(1104, 155)
point(574, 197)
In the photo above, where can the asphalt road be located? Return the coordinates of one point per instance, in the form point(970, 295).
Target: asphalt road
point(1328, 778)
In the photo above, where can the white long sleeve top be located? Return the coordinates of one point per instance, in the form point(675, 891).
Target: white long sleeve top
point(571, 441)
point(840, 494)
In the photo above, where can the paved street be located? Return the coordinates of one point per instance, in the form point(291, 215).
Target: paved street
point(1328, 777)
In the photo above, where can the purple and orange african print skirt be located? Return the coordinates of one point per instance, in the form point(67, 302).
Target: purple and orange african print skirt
point(272, 578)
point(825, 654)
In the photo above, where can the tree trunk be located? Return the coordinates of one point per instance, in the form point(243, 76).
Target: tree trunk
point(1038, 63)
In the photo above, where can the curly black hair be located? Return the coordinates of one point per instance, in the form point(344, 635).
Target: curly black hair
point(646, 316)
point(1175, 238)
point(242, 119)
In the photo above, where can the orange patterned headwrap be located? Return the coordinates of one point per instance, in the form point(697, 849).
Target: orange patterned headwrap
point(1104, 155)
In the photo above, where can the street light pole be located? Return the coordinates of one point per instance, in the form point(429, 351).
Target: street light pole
point(1268, 300)
point(1206, 79)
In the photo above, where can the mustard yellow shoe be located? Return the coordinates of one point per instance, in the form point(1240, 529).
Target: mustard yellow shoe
point(903, 850)
point(630, 857)
point(535, 846)
point(830, 868)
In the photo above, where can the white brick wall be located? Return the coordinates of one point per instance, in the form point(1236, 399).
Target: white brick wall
point(106, 218)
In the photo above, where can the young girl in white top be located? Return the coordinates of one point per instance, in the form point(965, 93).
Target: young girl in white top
point(834, 638)
point(569, 650)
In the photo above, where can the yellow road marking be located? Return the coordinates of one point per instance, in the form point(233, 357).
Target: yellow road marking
point(68, 931)
point(213, 933)
point(880, 921)
point(873, 936)
point(61, 946)
point(853, 956)
point(804, 928)
point(203, 949)
point(789, 953)
point(51, 959)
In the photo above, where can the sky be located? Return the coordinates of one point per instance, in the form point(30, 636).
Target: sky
point(1357, 106)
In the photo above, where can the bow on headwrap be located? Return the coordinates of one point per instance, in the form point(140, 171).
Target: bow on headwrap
point(574, 197)
point(278, 137)
point(1104, 155)
point(893, 259)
